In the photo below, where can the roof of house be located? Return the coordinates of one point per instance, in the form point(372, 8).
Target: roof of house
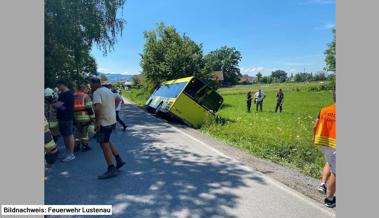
point(218, 75)
point(247, 79)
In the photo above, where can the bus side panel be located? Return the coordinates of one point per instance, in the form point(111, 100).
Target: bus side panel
point(186, 109)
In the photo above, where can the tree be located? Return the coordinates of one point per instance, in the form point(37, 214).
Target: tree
point(302, 77)
point(330, 54)
point(71, 29)
point(259, 77)
point(279, 76)
point(266, 79)
point(224, 59)
point(168, 55)
point(320, 76)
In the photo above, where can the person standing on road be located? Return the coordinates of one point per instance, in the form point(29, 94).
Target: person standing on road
point(65, 116)
point(83, 117)
point(259, 96)
point(50, 145)
point(279, 103)
point(248, 101)
point(105, 112)
point(322, 188)
point(325, 137)
point(118, 108)
point(51, 113)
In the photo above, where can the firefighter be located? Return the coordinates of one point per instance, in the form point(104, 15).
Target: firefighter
point(83, 117)
point(51, 113)
point(50, 146)
point(325, 136)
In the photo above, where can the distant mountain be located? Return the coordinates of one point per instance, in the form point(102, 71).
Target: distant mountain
point(117, 77)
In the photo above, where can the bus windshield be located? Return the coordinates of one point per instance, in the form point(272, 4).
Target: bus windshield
point(171, 90)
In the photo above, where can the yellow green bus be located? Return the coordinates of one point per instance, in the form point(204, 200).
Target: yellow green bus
point(189, 99)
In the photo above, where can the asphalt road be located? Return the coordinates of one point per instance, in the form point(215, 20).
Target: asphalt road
point(170, 173)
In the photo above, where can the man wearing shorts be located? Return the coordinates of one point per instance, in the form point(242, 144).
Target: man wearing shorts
point(105, 103)
point(325, 137)
point(65, 116)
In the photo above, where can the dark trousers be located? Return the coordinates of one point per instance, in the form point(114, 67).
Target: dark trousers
point(279, 106)
point(248, 106)
point(260, 104)
point(119, 120)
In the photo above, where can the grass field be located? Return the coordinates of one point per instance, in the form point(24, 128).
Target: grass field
point(284, 138)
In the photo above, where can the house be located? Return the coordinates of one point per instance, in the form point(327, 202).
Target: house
point(128, 83)
point(247, 79)
point(217, 77)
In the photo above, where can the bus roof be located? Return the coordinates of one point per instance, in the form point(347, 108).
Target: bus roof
point(185, 79)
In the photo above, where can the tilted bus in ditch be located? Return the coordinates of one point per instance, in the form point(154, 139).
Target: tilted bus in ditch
point(189, 99)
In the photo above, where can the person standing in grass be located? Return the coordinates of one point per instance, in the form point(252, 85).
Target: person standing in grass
point(248, 101)
point(325, 137)
point(259, 96)
point(279, 103)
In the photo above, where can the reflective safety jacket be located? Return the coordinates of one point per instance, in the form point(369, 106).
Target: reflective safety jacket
point(50, 146)
point(83, 111)
point(51, 116)
point(326, 128)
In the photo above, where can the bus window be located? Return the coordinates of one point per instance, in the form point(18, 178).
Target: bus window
point(193, 87)
point(203, 95)
point(171, 90)
point(211, 100)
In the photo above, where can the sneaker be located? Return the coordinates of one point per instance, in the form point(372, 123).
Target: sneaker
point(322, 189)
point(330, 203)
point(86, 148)
point(120, 163)
point(111, 172)
point(69, 158)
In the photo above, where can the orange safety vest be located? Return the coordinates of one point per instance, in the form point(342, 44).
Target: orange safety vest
point(80, 108)
point(326, 127)
point(79, 104)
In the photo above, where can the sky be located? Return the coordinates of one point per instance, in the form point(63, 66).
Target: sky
point(290, 35)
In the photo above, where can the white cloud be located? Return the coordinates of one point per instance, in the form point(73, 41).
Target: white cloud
point(102, 70)
point(251, 70)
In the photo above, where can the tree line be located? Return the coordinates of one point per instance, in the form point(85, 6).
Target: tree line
point(280, 76)
point(168, 55)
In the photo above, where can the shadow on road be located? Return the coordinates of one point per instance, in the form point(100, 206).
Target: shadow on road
point(161, 178)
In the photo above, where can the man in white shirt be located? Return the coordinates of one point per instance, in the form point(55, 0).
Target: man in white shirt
point(118, 108)
point(105, 104)
point(259, 96)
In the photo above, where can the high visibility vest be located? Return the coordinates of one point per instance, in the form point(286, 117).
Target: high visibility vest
point(50, 146)
point(51, 117)
point(326, 128)
point(80, 107)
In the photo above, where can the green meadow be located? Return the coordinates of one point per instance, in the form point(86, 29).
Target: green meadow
point(284, 138)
